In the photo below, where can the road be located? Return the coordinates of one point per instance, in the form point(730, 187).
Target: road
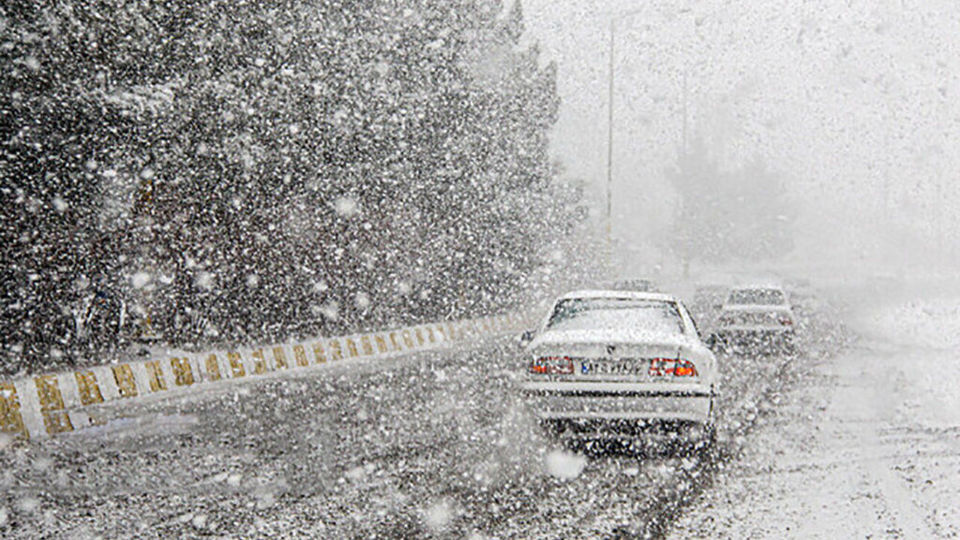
point(431, 445)
point(867, 447)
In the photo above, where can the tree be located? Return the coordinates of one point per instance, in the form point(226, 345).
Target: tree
point(241, 171)
point(724, 215)
point(59, 243)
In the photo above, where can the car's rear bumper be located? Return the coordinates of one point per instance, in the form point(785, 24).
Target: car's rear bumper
point(599, 403)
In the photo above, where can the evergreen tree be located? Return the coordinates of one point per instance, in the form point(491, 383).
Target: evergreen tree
point(243, 171)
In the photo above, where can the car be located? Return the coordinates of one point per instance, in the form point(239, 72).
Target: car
point(756, 318)
point(635, 284)
point(708, 300)
point(621, 365)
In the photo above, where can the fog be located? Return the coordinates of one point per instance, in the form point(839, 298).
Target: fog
point(479, 269)
point(856, 102)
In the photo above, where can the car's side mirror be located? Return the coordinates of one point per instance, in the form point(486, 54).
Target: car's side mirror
point(711, 341)
point(525, 338)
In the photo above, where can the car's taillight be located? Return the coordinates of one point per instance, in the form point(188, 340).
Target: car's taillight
point(677, 367)
point(785, 320)
point(685, 368)
point(552, 365)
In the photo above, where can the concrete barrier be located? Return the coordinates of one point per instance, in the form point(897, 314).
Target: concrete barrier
point(45, 405)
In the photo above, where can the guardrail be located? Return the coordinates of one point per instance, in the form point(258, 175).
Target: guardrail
point(45, 405)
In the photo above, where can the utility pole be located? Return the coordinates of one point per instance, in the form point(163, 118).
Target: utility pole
point(685, 94)
point(940, 217)
point(683, 156)
point(609, 224)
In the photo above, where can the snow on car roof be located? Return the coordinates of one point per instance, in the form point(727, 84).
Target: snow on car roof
point(755, 286)
point(757, 307)
point(633, 295)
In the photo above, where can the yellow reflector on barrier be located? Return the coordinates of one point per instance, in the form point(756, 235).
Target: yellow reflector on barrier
point(182, 372)
point(318, 353)
point(236, 365)
point(88, 388)
point(48, 390)
point(279, 358)
point(213, 367)
point(155, 376)
point(335, 352)
point(126, 384)
point(259, 362)
point(10, 419)
point(300, 355)
point(55, 419)
point(366, 346)
point(57, 422)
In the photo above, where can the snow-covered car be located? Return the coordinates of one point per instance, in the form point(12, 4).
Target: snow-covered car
point(756, 318)
point(635, 284)
point(708, 299)
point(621, 365)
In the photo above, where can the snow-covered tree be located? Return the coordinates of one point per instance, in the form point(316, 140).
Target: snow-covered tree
point(241, 170)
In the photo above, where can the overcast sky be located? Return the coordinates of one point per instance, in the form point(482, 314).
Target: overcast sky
point(858, 102)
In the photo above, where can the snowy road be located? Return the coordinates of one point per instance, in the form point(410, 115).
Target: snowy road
point(867, 447)
point(432, 444)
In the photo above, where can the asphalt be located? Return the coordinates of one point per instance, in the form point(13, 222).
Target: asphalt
point(435, 444)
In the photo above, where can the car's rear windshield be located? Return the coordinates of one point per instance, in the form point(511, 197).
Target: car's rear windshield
point(757, 297)
point(627, 314)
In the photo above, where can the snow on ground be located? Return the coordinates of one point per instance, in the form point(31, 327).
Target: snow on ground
point(434, 444)
point(925, 336)
point(565, 465)
point(869, 448)
point(927, 323)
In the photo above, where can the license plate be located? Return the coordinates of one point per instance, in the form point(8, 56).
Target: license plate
point(616, 367)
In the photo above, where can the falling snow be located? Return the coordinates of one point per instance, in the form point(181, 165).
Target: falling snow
point(200, 175)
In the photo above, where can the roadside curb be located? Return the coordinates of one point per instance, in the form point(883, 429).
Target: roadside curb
point(45, 405)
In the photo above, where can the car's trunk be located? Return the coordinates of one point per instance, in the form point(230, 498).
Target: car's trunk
point(600, 356)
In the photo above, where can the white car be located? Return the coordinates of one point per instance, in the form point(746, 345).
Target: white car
point(756, 317)
point(707, 301)
point(635, 284)
point(621, 365)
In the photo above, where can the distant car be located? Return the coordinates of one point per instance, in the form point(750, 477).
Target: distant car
point(636, 285)
point(621, 365)
point(711, 296)
point(708, 300)
point(756, 318)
